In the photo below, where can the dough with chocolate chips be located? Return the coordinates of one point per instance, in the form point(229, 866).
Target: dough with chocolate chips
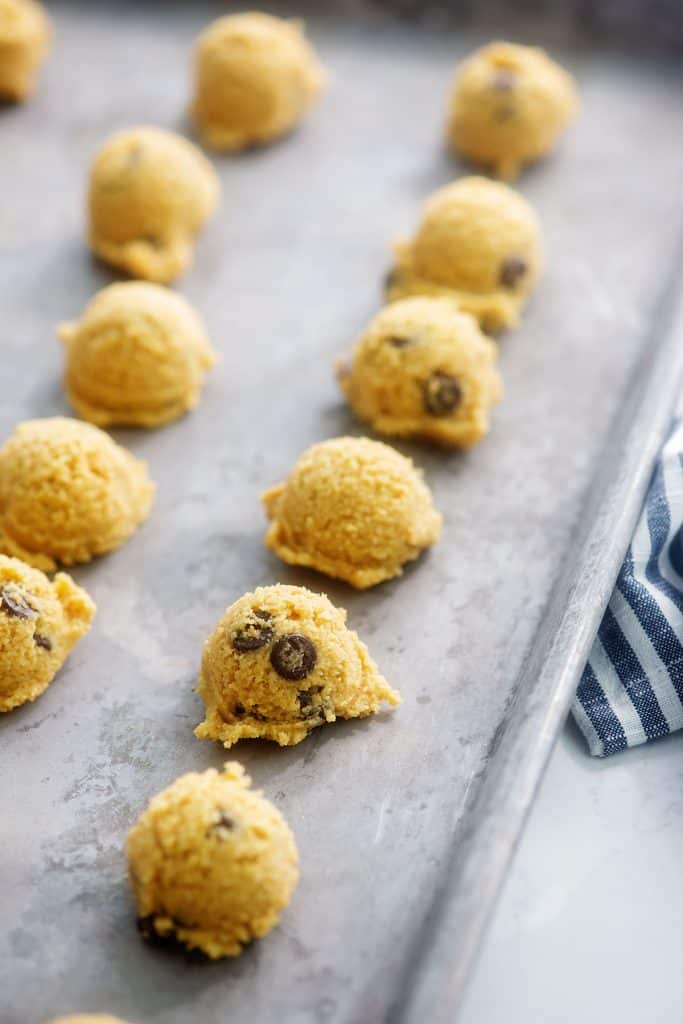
point(508, 106)
point(212, 864)
point(479, 242)
point(281, 662)
point(149, 194)
point(24, 42)
point(40, 622)
point(422, 368)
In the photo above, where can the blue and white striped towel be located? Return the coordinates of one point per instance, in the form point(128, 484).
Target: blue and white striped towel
point(631, 690)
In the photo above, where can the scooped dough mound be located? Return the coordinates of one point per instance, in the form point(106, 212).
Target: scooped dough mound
point(212, 863)
point(137, 356)
point(24, 42)
point(68, 492)
point(150, 193)
point(424, 369)
point(88, 1018)
point(352, 508)
point(255, 77)
point(479, 243)
point(40, 622)
point(281, 662)
point(508, 106)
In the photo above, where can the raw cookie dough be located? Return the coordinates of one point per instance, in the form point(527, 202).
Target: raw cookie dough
point(282, 661)
point(137, 356)
point(88, 1018)
point(352, 508)
point(422, 368)
point(212, 863)
point(508, 106)
point(150, 192)
point(479, 243)
point(255, 77)
point(40, 622)
point(24, 41)
point(68, 492)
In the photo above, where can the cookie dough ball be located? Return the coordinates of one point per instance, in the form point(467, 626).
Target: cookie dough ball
point(352, 508)
point(212, 864)
point(24, 41)
point(479, 243)
point(508, 106)
point(137, 356)
point(255, 78)
point(40, 622)
point(150, 192)
point(68, 492)
point(88, 1018)
point(282, 661)
point(423, 369)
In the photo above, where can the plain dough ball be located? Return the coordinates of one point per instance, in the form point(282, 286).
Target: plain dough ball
point(255, 77)
point(508, 106)
point(40, 622)
point(479, 242)
point(424, 369)
point(24, 42)
point(212, 863)
point(352, 508)
point(149, 194)
point(137, 356)
point(282, 661)
point(68, 492)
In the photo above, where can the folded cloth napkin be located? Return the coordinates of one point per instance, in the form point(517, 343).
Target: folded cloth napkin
point(631, 690)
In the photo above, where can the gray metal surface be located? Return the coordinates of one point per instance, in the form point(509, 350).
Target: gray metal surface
point(404, 823)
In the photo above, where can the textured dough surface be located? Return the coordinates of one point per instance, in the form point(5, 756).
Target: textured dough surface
point(328, 675)
point(24, 42)
point(422, 368)
point(479, 242)
point(212, 863)
point(508, 106)
point(137, 356)
point(352, 508)
point(68, 492)
point(255, 77)
point(40, 622)
point(150, 192)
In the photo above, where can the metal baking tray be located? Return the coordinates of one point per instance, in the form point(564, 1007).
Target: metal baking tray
point(405, 822)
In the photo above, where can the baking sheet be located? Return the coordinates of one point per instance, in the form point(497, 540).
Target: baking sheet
point(404, 822)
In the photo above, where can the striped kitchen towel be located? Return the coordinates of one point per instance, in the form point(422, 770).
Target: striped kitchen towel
point(631, 690)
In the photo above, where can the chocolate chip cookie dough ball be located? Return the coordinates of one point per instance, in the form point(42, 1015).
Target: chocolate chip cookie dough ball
point(40, 622)
point(255, 77)
point(68, 492)
point(150, 193)
point(212, 863)
point(423, 369)
point(281, 662)
point(24, 41)
point(479, 243)
point(137, 356)
point(352, 508)
point(508, 106)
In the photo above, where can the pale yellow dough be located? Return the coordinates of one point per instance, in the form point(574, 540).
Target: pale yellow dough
point(40, 622)
point(508, 106)
point(87, 1018)
point(479, 243)
point(212, 863)
point(424, 369)
point(137, 356)
point(150, 192)
point(24, 42)
point(68, 492)
point(281, 662)
point(352, 508)
point(255, 77)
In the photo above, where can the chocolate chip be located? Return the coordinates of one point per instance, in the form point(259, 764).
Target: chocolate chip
point(441, 394)
point(253, 635)
point(224, 823)
point(512, 270)
point(14, 604)
point(398, 342)
point(240, 711)
point(168, 941)
point(503, 80)
point(293, 656)
point(40, 640)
